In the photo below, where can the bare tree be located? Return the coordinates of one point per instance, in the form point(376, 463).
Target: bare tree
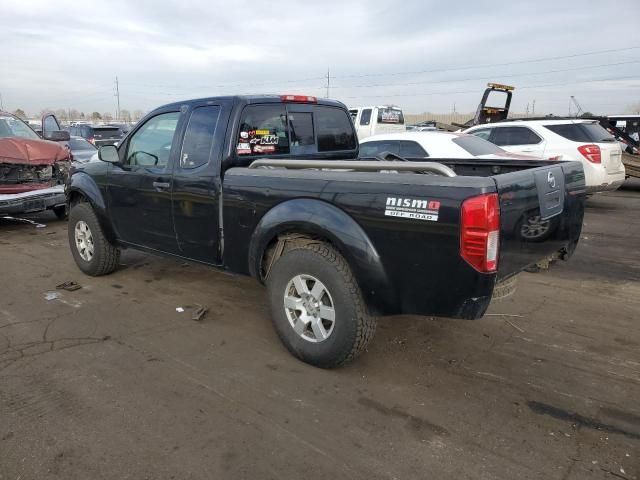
point(20, 114)
point(96, 116)
point(125, 116)
point(61, 114)
point(107, 117)
point(137, 115)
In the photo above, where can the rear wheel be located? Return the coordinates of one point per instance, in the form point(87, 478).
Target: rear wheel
point(91, 250)
point(317, 307)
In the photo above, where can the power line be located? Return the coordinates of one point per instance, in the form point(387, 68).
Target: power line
point(487, 65)
point(635, 77)
point(439, 70)
point(486, 77)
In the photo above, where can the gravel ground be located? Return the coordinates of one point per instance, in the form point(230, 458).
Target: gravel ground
point(110, 381)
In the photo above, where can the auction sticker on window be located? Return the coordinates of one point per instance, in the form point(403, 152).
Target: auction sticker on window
point(417, 209)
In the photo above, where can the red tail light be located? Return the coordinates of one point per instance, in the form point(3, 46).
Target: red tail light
point(591, 153)
point(480, 232)
point(298, 98)
point(91, 140)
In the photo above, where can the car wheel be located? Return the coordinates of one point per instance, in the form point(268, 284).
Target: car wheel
point(534, 229)
point(61, 212)
point(317, 307)
point(91, 250)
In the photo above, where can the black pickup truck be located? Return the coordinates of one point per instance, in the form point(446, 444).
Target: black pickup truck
point(272, 187)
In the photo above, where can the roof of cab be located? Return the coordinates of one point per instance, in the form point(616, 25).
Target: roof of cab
point(248, 99)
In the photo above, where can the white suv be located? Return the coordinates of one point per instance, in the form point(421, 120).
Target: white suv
point(569, 139)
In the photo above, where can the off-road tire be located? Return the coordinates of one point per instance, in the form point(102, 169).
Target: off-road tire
point(106, 256)
point(505, 288)
point(354, 328)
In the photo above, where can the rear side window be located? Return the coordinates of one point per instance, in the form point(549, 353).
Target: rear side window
point(371, 149)
point(334, 130)
point(301, 129)
point(581, 132)
point(476, 145)
point(365, 119)
point(390, 115)
point(411, 149)
point(263, 131)
point(198, 138)
point(514, 136)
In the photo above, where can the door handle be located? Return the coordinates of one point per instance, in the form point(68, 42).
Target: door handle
point(161, 185)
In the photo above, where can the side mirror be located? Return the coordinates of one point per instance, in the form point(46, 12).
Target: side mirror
point(57, 136)
point(109, 154)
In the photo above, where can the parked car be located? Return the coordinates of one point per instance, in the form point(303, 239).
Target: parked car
point(434, 144)
point(427, 126)
point(566, 139)
point(270, 186)
point(376, 120)
point(82, 150)
point(124, 127)
point(97, 134)
point(32, 170)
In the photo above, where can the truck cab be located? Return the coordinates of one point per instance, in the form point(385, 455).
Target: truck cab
point(370, 121)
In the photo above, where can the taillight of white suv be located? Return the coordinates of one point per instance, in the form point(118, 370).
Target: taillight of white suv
point(591, 152)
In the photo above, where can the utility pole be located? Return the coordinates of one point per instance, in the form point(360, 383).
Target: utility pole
point(117, 94)
point(527, 111)
point(328, 82)
point(533, 107)
point(1, 104)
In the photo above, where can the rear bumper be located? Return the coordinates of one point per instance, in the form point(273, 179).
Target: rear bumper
point(605, 187)
point(34, 201)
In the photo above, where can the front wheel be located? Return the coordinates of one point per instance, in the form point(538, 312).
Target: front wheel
point(91, 250)
point(317, 307)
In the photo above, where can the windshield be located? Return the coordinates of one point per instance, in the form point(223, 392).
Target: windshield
point(80, 144)
point(477, 146)
point(13, 127)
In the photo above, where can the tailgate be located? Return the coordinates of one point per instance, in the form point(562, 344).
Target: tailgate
point(541, 212)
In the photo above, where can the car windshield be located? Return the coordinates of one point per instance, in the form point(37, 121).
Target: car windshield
point(477, 146)
point(582, 132)
point(80, 144)
point(13, 127)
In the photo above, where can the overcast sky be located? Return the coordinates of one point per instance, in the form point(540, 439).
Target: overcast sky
point(420, 55)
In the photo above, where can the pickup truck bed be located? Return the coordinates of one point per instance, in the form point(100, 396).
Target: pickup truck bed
point(401, 262)
point(272, 187)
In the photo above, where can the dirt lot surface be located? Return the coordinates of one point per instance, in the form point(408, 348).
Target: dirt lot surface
point(110, 381)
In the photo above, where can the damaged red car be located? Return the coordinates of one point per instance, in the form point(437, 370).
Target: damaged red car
point(32, 170)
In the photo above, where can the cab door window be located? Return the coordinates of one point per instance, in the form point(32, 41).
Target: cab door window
point(150, 146)
point(365, 119)
point(507, 136)
point(198, 139)
point(411, 149)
